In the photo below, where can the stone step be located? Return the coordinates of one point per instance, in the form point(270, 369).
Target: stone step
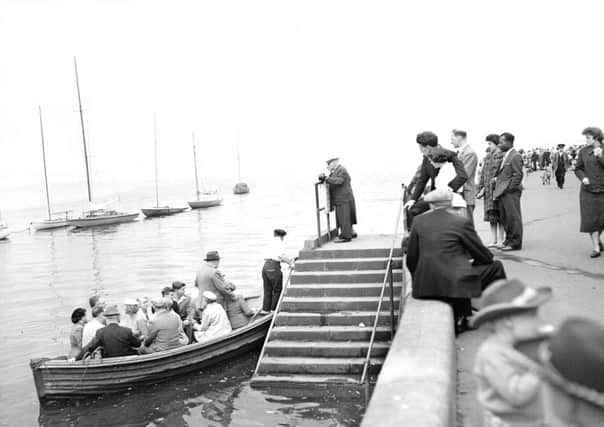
point(274, 379)
point(348, 253)
point(317, 365)
point(347, 264)
point(340, 318)
point(329, 333)
point(281, 348)
point(358, 276)
point(334, 304)
point(342, 289)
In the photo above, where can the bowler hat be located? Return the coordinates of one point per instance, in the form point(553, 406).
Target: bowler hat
point(573, 360)
point(178, 284)
point(212, 256)
point(332, 159)
point(280, 232)
point(111, 310)
point(505, 297)
point(210, 296)
point(440, 195)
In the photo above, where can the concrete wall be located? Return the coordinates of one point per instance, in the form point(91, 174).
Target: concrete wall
point(313, 242)
point(417, 384)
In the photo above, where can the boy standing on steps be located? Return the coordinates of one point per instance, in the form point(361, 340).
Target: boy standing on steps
point(508, 384)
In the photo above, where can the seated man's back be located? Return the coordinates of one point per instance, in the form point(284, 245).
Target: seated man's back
point(166, 328)
point(238, 311)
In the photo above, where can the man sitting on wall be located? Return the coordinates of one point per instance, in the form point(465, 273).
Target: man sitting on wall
point(447, 259)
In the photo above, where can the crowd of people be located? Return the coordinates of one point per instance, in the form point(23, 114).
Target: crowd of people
point(175, 318)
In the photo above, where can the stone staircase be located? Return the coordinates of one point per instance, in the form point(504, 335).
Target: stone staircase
point(322, 331)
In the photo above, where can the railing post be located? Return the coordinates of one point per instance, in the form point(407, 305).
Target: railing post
point(391, 279)
point(318, 212)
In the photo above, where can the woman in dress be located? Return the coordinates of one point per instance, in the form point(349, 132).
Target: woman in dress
point(492, 210)
point(78, 318)
point(590, 170)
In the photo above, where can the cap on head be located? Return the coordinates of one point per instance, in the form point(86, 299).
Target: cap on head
point(439, 196)
point(111, 311)
point(210, 296)
point(178, 285)
point(212, 256)
point(332, 159)
point(280, 232)
point(167, 290)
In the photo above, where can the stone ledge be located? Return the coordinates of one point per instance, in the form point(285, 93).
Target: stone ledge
point(418, 379)
point(313, 243)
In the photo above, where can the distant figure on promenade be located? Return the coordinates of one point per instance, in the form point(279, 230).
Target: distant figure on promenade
point(534, 160)
point(440, 247)
point(272, 277)
point(134, 319)
point(214, 320)
point(492, 208)
point(78, 319)
point(469, 159)
point(342, 197)
point(97, 322)
point(209, 278)
point(560, 163)
point(427, 173)
point(508, 190)
point(508, 381)
point(165, 330)
point(572, 366)
point(590, 170)
point(114, 339)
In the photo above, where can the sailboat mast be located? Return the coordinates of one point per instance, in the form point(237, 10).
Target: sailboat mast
point(195, 164)
point(238, 160)
point(83, 131)
point(155, 150)
point(44, 160)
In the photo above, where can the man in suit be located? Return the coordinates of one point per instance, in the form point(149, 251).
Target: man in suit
point(508, 189)
point(560, 163)
point(469, 158)
point(209, 278)
point(427, 173)
point(115, 340)
point(342, 197)
point(447, 259)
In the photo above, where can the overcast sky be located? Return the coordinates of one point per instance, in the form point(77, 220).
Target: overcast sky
point(300, 81)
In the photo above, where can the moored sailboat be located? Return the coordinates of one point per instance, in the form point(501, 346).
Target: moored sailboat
point(95, 216)
point(204, 199)
point(158, 210)
point(240, 187)
point(56, 219)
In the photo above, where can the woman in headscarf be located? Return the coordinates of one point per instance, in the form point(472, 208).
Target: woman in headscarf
point(492, 210)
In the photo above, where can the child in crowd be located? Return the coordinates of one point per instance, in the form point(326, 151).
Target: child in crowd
point(508, 381)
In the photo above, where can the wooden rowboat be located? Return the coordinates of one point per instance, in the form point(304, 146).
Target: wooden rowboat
point(60, 379)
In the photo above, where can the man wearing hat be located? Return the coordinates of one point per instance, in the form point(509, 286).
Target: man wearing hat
point(342, 197)
point(272, 277)
point(440, 247)
point(134, 318)
point(116, 340)
point(573, 369)
point(209, 278)
point(508, 382)
point(560, 163)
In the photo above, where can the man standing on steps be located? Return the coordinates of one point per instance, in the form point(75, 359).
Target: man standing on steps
point(342, 197)
point(560, 163)
point(272, 277)
point(508, 189)
point(469, 158)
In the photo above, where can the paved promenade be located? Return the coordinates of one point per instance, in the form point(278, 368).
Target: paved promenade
point(554, 254)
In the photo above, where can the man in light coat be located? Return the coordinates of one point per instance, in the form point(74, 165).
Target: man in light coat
point(469, 158)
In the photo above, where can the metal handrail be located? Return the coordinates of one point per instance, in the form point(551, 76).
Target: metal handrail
point(387, 278)
point(270, 328)
point(318, 213)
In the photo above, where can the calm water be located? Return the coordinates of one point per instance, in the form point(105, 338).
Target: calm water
point(45, 275)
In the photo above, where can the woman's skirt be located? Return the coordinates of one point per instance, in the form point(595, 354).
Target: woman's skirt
point(592, 211)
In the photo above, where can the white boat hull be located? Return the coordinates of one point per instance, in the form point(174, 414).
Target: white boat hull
point(161, 211)
point(102, 220)
point(48, 224)
point(197, 204)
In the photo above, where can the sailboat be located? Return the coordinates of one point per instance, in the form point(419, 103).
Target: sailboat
point(4, 233)
point(56, 219)
point(158, 210)
point(240, 187)
point(204, 199)
point(96, 215)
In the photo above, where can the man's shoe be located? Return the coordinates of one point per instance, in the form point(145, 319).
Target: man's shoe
point(263, 312)
point(595, 254)
point(509, 248)
point(342, 240)
point(355, 235)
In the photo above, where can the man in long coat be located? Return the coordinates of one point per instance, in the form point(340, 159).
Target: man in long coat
point(342, 197)
point(440, 247)
point(560, 163)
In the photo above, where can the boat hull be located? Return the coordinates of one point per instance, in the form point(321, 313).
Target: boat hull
point(163, 211)
point(49, 224)
point(60, 379)
point(198, 204)
point(241, 188)
point(102, 220)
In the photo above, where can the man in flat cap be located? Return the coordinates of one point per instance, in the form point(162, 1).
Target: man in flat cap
point(272, 277)
point(560, 163)
point(440, 247)
point(342, 197)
